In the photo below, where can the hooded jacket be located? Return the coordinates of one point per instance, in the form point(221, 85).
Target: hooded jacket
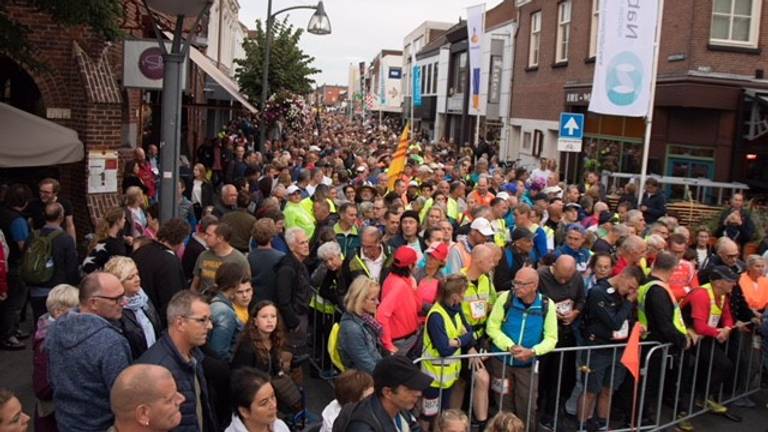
point(85, 355)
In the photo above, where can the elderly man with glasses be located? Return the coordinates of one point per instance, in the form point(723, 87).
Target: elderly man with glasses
point(86, 353)
point(726, 254)
point(178, 350)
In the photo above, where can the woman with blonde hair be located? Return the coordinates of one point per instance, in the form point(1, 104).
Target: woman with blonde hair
point(108, 240)
point(360, 334)
point(201, 192)
point(60, 301)
point(505, 421)
point(452, 420)
point(135, 217)
point(140, 321)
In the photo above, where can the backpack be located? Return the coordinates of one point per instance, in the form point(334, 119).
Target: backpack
point(333, 347)
point(37, 263)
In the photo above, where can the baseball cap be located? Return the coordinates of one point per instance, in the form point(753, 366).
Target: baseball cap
point(572, 206)
point(397, 370)
point(438, 251)
point(292, 189)
point(502, 195)
point(522, 234)
point(482, 225)
point(722, 272)
point(405, 256)
point(315, 149)
point(576, 227)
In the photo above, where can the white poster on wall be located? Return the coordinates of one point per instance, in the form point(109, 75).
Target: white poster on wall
point(625, 55)
point(102, 171)
point(475, 32)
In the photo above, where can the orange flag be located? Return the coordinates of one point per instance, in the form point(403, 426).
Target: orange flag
point(397, 166)
point(631, 357)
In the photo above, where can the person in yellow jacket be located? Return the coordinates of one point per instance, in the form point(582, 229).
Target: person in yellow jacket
point(446, 333)
point(481, 294)
point(523, 323)
point(296, 215)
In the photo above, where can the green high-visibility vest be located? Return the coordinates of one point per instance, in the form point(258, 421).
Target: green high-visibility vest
point(677, 316)
point(444, 372)
point(484, 292)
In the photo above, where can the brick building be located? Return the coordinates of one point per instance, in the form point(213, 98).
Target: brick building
point(710, 84)
point(81, 88)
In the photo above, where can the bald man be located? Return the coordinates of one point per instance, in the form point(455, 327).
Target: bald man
point(727, 254)
point(144, 397)
point(481, 294)
point(565, 286)
point(523, 322)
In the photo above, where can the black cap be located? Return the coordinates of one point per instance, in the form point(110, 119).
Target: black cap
point(397, 370)
point(522, 234)
point(722, 272)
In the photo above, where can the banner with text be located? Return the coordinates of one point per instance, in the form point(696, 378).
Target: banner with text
point(475, 32)
point(625, 55)
point(417, 86)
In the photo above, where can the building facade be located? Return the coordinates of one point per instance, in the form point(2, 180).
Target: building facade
point(383, 82)
point(710, 78)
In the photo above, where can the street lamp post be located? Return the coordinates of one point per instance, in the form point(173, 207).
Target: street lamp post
point(319, 24)
point(173, 62)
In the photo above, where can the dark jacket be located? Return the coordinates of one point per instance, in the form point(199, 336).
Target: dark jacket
point(189, 259)
point(161, 274)
point(241, 222)
point(246, 356)
point(292, 290)
point(659, 311)
point(103, 251)
point(354, 266)
point(656, 206)
point(86, 353)
point(715, 260)
point(741, 234)
point(573, 290)
point(326, 282)
point(133, 332)
point(369, 415)
point(399, 240)
point(605, 312)
point(511, 261)
point(164, 353)
point(263, 263)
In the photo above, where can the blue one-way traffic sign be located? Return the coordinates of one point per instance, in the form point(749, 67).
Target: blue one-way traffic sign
point(571, 126)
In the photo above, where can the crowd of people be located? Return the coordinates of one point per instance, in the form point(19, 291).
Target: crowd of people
point(309, 253)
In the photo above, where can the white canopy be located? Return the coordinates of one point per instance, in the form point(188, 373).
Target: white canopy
point(27, 140)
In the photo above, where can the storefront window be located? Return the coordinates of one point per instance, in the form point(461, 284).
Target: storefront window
point(612, 154)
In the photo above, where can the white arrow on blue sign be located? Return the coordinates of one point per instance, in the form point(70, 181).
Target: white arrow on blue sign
point(572, 126)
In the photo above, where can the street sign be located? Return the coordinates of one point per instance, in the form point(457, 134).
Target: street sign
point(571, 126)
point(568, 145)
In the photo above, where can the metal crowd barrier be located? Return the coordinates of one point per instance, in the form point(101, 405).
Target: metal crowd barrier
point(744, 380)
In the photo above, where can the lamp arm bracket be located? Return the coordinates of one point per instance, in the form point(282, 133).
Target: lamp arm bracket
point(272, 17)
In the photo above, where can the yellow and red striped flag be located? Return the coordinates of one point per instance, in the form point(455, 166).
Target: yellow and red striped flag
point(399, 158)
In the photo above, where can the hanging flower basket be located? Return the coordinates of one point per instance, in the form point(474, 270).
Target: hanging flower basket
point(288, 109)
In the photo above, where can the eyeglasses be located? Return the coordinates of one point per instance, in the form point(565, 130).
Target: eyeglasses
point(732, 256)
point(200, 320)
point(116, 299)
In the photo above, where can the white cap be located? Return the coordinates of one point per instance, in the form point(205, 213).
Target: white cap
point(482, 225)
point(315, 149)
point(292, 189)
point(361, 168)
point(502, 195)
point(425, 168)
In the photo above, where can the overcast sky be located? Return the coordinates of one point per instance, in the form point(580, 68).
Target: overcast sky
point(360, 27)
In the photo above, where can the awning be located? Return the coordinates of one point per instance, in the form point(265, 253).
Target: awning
point(209, 67)
point(27, 140)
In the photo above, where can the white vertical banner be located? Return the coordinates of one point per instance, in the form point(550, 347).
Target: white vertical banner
point(625, 56)
point(475, 34)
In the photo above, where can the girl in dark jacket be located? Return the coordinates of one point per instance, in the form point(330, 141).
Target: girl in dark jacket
point(262, 347)
point(140, 322)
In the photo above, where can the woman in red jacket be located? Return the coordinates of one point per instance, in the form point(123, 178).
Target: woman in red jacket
point(400, 312)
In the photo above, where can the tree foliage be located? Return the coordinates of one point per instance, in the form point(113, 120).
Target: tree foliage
point(290, 69)
point(103, 16)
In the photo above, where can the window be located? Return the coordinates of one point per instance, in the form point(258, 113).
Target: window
point(735, 22)
point(423, 78)
point(593, 29)
point(459, 79)
point(429, 79)
point(434, 78)
point(526, 141)
point(563, 31)
point(535, 42)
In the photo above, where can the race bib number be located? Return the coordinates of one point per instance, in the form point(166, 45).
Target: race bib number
point(623, 332)
point(500, 385)
point(477, 309)
point(714, 320)
point(564, 307)
point(430, 407)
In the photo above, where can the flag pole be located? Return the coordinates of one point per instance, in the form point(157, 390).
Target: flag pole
point(651, 103)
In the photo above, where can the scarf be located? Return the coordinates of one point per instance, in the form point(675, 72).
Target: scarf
point(371, 322)
point(138, 304)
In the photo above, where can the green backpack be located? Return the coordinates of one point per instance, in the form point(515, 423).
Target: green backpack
point(37, 263)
